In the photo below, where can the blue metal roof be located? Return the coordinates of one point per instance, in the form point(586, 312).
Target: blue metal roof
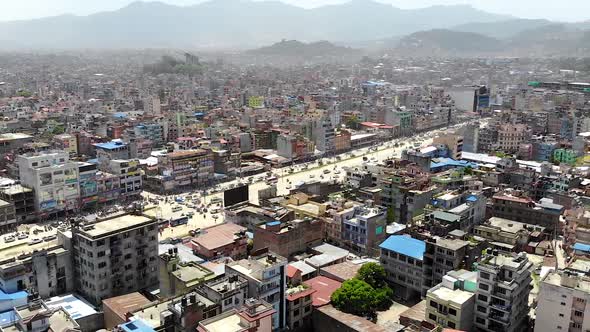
point(110, 145)
point(405, 245)
point(448, 162)
point(582, 247)
point(137, 325)
point(12, 296)
point(8, 318)
point(273, 223)
point(472, 198)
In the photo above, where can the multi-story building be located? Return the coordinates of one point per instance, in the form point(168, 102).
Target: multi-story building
point(66, 142)
point(563, 303)
point(113, 150)
point(151, 131)
point(227, 292)
point(403, 258)
point(453, 142)
point(289, 238)
point(267, 281)
point(503, 286)
point(10, 142)
point(544, 213)
point(510, 136)
point(130, 179)
point(364, 230)
point(441, 256)
point(511, 233)
point(109, 187)
point(225, 240)
point(450, 304)
point(256, 316)
point(115, 256)
point(87, 175)
point(23, 200)
point(185, 168)
point(325, 136)
point(299, 307)
point(8, 221)
point(53, 178)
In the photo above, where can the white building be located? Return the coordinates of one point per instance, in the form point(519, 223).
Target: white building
point(563, 303)
point(53, 178)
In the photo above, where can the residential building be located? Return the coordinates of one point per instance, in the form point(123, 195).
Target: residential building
point(130, 179)
point(54, 180)
point(453, 142)
point(115, 256)
point(225, 240)
point(299, 308)
point(113, 150)
point(8, 221)
point(450, 304)
point(364, 230)
point(266, 275)
point(563, 303)
point(502, 296)
point(23, 200)
point(227, 292)
point(443, 255)
point(66, 142)
point(289, 238)
point(151, 131)
point(402, 257)
point(87, 176)
point(510, 136)
point(117, 308)
point(186, 168)
point(544, 213)
point(177, 277)
point(511, 234)
point(256, 316)
point(11, 142)
point(36, 316)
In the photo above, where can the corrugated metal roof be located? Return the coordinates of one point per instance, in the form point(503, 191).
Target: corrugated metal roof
point(405, 245)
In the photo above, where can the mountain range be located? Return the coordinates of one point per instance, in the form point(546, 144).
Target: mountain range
point(233, 24)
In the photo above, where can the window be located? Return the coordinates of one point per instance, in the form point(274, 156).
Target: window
point(482, 298)
point(308, 297)
point(451, 325)
point(296, 312)
point(227, 301)
point(307, 308)
point(562, 303)
point(452, 312)
point(484, 287)
point(564, 296)
point(432, 317)
point(578, 313)
point(100, 254)
point(102, 264)
point(560, 315)
point(296, 302)
point(481, 309)
point(433, 304)
point(296, 325)
point(480, 320)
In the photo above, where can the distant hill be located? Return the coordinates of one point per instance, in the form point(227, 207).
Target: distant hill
point(234, 24)
point(299, 49)
point(447, 42)
point(502, 29)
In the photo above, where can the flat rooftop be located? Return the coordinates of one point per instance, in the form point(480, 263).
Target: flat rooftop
point(554, 278)
point(453, 295)
point(74, 306)
point(116, 225)
point(191, 272)
point(229, 323)
point(123, 304)
point(218, 236)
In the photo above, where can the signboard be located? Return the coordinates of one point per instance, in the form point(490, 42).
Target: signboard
point(236, 195)
point(256, 102)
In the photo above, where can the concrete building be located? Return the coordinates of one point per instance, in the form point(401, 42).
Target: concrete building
point(8, 221)
point(511, 233)
point(289, 238)
point(510, 136)
point(36, 316)
point(66, 142)
point(364, 230)
point(441, 256)
point(225, 240)
point(256, 316)
point(544, 213)
point(186, 168)
point(23, 200)
point(113, 150)
point(117, 308)
point(266, 275)
point(54, 180)
point(325, 136)
point(130, 179)
point(151, 131)
point(403, 257)
point(227, 292)
point(453, 142)
point(450, 304)
point(299, 308)
point(115, 256)
point(11, 142)
point(503, 286)
point(563, 303)
point(177, 277)
point(87, 177)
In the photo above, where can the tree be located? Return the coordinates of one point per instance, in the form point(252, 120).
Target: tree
point(353, 122)
point(390, 215)
point(354, 296)
point(373, 274)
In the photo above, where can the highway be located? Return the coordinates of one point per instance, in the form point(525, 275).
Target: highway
point(314, 171)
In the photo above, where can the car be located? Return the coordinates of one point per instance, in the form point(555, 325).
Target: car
point(175, 240)
point(49, 238)
point(35, 241)
point(9, 238)
point(194, 232)
point(22, 236)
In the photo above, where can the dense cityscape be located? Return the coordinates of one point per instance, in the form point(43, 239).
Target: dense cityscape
point(295, 187)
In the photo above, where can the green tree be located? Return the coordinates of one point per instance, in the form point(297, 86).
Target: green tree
point(353, 122)
point(390, 215)
point(373, 274)
point(468, 170)
point(354, 296)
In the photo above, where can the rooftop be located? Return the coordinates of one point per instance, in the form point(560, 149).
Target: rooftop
point(123, 304)
point(324, 287)
point(405, 245)
point(115, 225)
point(76, 307)
point(580, 283)
point(451, 295)
point(446, 216)
point(218, 236)
point(112, 145)
point(341, 271)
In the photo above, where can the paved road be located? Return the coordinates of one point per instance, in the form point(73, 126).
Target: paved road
point(285, 181)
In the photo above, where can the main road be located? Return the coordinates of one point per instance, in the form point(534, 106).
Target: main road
point(168, 208)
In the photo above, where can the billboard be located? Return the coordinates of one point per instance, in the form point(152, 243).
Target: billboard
point(236, 195)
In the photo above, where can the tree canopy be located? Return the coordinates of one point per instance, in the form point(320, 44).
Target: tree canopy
point(373, 274)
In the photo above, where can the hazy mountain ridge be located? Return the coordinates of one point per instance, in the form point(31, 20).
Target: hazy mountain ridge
point(233, 23)
point(297, 48)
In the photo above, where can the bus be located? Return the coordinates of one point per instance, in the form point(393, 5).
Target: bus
point(178, 221)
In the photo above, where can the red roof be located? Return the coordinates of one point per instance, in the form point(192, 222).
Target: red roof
point(291, 271)
point(324, 287)
point(298, 295)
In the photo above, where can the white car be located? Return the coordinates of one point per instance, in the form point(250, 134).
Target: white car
point(35, 241)
point(9, 238)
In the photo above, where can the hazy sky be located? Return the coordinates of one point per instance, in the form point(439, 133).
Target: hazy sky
point(564, 10)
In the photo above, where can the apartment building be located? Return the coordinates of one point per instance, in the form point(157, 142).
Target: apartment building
point(113, 150)
point(23, 200)
point(256, 316)
point(289, 238)
point(151, 131)
point(87, 176)
point(511, 233)
point(403, 257)
point(453, 142)
point(503, 286)
point(130, 179)
point(115, 256)
point(266, 275)
point(177, 277)
point(563, 303)
point(510, 136)
point(186, 168)
point(544, 213)
point(441, 256)
point(450, 304)
point(227, 292)
point(299, 308)
point(8, 221)
point(10, 142)
point(53, 178)
point(66, 142)
point(364, 230)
